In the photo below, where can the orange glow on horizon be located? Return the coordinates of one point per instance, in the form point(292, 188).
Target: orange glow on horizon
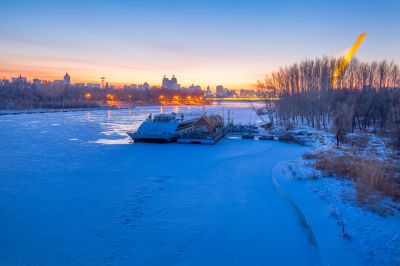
point(119, 78)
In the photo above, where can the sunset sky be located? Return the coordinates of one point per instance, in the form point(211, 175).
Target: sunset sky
point(233, 43)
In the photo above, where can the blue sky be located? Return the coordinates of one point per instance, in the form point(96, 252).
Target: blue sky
point(207, 42)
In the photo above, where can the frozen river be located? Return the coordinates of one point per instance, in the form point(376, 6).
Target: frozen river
point(68, 198)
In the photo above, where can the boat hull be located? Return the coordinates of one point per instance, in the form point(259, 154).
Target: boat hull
point(137, 137)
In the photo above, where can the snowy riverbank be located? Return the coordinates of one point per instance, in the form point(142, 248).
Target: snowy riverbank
point(374, 234)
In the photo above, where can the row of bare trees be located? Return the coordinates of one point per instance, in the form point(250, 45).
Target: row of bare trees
point(366, 96)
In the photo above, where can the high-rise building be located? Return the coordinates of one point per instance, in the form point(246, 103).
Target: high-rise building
point(171, 84)
point(174, 82)
point(220, 91)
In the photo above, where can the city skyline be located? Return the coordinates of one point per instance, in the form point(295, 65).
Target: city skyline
point(66, 79)
point(135, 42)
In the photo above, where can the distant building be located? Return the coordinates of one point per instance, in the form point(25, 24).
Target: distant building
point(4, 82)
point(171, 84)
point(37, 83)
point(19, 79)
point(145, 86)
point(230, 93)
point(59, 82)
point(133, 86)
point(66, 82)
point(247, 93)
point(67, 79)
point(208, 93)
point(174, 83)
point(93, 85)
point(79, 85)
point(194, 88)
point(46, 83)
point(220, 91)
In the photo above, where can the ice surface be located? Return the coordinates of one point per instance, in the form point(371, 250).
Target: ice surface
point(68, 199)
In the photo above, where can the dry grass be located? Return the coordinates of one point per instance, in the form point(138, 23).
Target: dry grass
point(371, 176)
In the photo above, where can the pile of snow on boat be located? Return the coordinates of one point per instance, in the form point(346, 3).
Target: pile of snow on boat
point(195, 129)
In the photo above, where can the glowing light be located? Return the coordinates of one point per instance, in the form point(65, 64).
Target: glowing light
point(178, 100)
point(244, 99)
point(345, 61)
point(111, 97)
point(88, 95)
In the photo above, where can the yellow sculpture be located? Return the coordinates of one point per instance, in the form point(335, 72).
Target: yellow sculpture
point(345, 61)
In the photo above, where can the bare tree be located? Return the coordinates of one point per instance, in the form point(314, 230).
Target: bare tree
point(308, 96)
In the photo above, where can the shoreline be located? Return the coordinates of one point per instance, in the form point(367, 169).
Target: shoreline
point(123, 106)
point(312, 211)
point(62, 110)
point(81, 109)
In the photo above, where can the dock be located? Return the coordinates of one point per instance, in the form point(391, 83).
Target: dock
point(200, 138)
point(204, 129)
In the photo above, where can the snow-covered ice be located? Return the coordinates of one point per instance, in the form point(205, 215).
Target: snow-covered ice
point(67, 198)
